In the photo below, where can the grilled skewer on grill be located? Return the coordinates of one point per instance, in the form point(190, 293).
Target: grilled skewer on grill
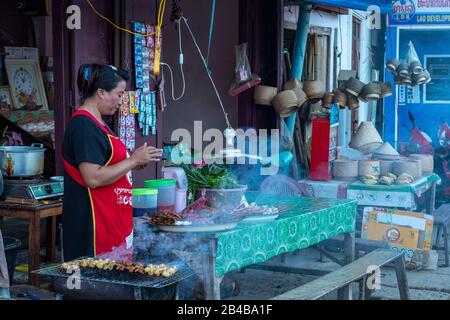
point(107, 264)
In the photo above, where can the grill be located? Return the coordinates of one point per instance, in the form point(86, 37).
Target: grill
point(123, 277)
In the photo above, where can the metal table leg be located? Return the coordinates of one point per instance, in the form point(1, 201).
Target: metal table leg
point(211, 282)
point(431, 204)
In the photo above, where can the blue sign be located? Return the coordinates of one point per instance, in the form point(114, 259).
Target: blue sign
point(420, 12)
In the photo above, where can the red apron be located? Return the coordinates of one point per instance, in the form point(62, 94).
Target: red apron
point(111, 205)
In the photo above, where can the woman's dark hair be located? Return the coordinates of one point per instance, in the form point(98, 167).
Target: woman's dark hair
point(92, 77)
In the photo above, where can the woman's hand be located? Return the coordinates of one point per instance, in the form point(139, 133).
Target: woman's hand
point(143, 155)
point(96, 176)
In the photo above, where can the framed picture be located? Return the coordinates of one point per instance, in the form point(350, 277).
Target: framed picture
point(5, 98)
point(25, 82)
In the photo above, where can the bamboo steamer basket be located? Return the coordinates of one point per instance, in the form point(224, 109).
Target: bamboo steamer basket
point(420, 78)
point(346, 170)
point(340, 98)
point(264, 95)
point(368, 167)
point(296, 86)
point(415, 67)
point(354, 86)
point(427, 161)
point(285, 103)
point(314, 89)
point(372, 91)
point(386, 152)
point(385, 167)
point(366, 139)
point(386, 89)
point(352, 101)
point(411, 167)
point(403, 69)
point(327, 100)
point(392, 64)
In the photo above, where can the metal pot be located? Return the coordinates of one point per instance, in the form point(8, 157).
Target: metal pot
point(18, 161)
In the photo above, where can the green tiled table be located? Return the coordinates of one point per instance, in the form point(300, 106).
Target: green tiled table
point(303, 223)
point(397, 196)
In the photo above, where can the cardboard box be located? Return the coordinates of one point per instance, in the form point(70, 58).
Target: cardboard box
point(406, 231)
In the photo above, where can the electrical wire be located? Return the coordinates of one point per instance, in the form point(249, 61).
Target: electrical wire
point(206, 68)
point(161, 9)
point(115, 25)
point(181, 61)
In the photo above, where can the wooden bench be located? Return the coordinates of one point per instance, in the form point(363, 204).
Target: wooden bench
point(358, 270)
point(441, 222)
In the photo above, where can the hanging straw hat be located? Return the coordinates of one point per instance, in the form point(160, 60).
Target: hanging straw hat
point(415, 67)
point(314, 89)
point(386, 152)
point(427, 162)
point(354, 86)
point(296, 86)
point(340, 98)
point(327, 100)
point(372, 91)
point(264, 95)
point(392, 64)
point(285, 103)
point(366, 139)
point(346, 170)
point(352, 101)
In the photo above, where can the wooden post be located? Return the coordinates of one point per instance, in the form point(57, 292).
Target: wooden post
point(402, 280)
point(34, 246)
point(50, 250)
point(349, 256)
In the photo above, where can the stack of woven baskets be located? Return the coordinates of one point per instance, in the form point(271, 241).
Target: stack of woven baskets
point(410, 74)
point(355, 90)
point(292, 97)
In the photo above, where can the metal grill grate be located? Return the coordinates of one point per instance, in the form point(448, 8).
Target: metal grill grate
point(123, 277)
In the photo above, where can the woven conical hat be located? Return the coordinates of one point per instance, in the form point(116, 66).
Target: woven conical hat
point(386, 149)
point(365, 135)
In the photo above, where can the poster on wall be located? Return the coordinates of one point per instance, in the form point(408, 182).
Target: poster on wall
point(422, 12)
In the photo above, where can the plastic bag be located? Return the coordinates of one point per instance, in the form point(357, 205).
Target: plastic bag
point(242, 70)
point(411, 56)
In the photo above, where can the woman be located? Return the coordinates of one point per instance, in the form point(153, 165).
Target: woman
point(97, 214)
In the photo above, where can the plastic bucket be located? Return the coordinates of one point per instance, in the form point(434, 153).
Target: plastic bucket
point(166, 193)
point(11, 245)
point(144, 202)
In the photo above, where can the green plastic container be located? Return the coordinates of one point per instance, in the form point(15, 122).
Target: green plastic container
point(144, 201)
point(166, 193)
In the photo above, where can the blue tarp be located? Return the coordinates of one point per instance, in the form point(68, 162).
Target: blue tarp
point(385, 5)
